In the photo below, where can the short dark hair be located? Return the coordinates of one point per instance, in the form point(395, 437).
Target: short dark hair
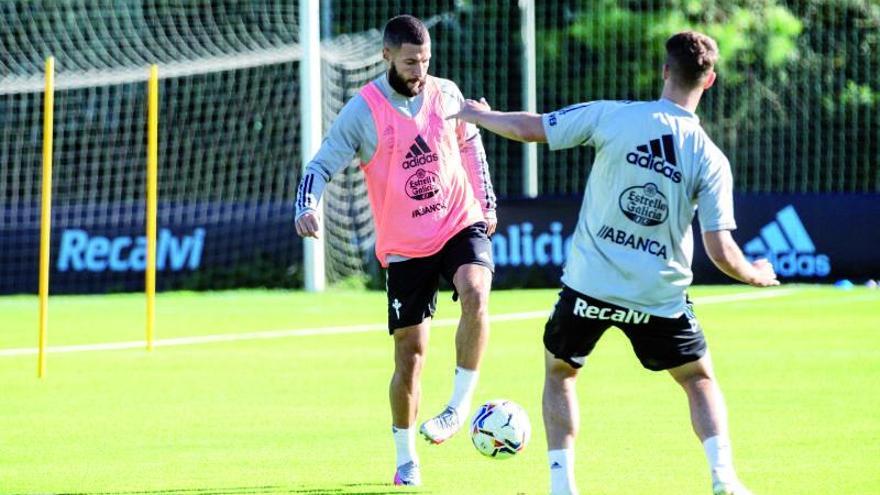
point(691, 56)
point(405, 29)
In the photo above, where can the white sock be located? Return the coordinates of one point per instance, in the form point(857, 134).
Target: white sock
point(720, 457)
point(463, 391)
point(405, 444)
point(562, 472)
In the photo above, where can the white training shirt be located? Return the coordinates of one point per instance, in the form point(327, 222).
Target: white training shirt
point(654, 168)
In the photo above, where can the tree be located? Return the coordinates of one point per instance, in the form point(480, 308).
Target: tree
point(792, 74)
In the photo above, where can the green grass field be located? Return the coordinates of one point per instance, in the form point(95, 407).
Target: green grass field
point(308, 413)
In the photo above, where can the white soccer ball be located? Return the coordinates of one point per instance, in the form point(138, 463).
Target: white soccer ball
point(500, 429)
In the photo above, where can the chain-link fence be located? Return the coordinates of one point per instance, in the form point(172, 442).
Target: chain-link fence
point(795, 108)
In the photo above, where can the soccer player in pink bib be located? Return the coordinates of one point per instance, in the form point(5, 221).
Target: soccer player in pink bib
point(433, 208)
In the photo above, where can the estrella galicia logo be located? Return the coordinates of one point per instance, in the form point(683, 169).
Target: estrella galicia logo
point(658, 155)
point(644, 205)
point(422, 185)
point(787, 245)
point(419, 154)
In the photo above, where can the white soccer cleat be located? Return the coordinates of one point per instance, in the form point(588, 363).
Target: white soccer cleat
point(735, 488)
point(408, 474)
point(442, 426)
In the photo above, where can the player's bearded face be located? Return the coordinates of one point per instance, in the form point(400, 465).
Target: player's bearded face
point(408, 70)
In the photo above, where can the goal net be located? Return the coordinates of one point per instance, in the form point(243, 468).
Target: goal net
point(229, 143)
point(229, 150)
point(349, 62)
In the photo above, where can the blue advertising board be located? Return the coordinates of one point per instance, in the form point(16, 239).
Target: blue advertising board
point(96, 248)
point(101, 248)
point(813, 238)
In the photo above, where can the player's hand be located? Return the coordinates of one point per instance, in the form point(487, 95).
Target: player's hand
point(308, 224)
point(491, 224)
point(471, 110)
point(765, 275)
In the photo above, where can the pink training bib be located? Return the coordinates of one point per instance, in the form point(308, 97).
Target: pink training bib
point(418, 188)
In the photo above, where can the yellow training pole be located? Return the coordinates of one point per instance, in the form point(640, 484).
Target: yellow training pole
point(152, 197)
point(46, 211)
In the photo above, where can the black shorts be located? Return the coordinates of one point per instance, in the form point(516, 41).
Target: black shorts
point(578, 321)
point(412, 285)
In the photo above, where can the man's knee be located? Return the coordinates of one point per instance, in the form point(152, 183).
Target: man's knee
point(474, 297)
point(694, 374)
point(473, 282)
point(557, 371)
point(410, 346)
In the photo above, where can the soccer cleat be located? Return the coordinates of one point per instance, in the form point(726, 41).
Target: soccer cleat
point(408, 475)
point(442, 426)
point(735, 488)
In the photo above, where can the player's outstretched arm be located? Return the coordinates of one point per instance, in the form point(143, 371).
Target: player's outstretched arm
point(525, 127)
point(727, 256)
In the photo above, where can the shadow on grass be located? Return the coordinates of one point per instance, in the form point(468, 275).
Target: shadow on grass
point(345, 489)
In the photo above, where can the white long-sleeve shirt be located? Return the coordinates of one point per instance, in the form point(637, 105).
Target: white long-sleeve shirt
point(353, 135)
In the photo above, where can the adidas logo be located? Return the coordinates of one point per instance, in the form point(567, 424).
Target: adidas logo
point(658, 155)
point(419, 154)
point(787, 245)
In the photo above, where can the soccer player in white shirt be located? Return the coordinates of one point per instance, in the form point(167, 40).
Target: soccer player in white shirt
point(630, 260)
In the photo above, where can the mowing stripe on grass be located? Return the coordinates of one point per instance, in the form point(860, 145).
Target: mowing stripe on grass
point(302, 332)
